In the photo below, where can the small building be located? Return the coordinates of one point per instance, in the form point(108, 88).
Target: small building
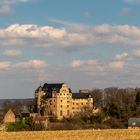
point(9, 117)
point(134, 123)
point(25, 112)
point(41, 120)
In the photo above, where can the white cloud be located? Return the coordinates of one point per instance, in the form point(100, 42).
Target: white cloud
point(31, 64)
point(5, 65)
point(6, 5)
point(79, 63)
point(28, 65)
point(90, 66)
point(121, 56)
point(69, 36)
point(5, 9)
point(116, 64)
point(136, 53)
point(76, 63)
point(33, 31)
point(11, 53)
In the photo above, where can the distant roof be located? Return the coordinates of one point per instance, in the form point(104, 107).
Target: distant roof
point(52, 86)
point(134, 122)
point(49, 88)
point(9, 112)
point(80, 95)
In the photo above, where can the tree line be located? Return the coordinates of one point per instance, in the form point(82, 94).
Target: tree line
point(116, 106)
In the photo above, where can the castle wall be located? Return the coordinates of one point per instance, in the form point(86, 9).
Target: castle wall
point(79, 105)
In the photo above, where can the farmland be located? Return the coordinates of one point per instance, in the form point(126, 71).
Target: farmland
point(113, 134)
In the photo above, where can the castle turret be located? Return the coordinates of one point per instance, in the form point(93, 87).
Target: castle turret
point(39, 93)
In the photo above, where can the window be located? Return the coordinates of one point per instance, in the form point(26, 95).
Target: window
point(61, 101)
point(73, 103)
point(77, 104)
point(68, 112)
point(67, 105)
point(73, 108)
point(81, 103)
point(61, 106)
point(61, 113)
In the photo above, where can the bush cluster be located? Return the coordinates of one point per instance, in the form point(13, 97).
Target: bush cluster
point(25, 124)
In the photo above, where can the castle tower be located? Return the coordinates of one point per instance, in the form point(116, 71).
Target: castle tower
point(39, 93)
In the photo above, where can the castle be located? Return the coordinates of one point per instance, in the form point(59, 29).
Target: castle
point(59, 101)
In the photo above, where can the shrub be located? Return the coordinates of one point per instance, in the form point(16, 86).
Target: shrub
point(26, 124)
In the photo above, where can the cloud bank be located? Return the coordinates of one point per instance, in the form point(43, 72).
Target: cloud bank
point(48, 36)
point(12, 53)
point(28, 65)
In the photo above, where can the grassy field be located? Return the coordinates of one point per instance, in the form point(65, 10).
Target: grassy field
point(113, 134)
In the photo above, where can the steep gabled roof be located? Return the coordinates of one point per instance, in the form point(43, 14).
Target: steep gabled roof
point(49, 88)
point(10, 112)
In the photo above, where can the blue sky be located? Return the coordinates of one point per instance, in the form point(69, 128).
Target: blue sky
point(87, 44)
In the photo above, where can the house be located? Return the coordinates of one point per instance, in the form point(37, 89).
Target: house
point(41, 120)
point(58, 100)
point(9, 117)
point(134, 123)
